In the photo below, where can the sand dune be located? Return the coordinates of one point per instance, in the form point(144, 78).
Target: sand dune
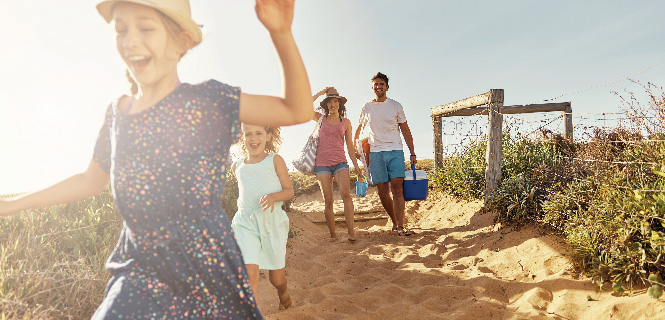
point(458, 265)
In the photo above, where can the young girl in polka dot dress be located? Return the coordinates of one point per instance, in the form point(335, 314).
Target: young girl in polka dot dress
point(164, 149)
point(261, 225)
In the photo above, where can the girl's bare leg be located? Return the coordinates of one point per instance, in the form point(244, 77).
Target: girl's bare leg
point(253, 273)
point(342, 179)
point(278, 280)
point(326, 185)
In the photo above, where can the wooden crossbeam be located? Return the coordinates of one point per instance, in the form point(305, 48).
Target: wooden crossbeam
point(529, 108)
point(470, 102)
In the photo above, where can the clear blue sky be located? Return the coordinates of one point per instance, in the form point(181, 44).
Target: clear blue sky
point(59, 69)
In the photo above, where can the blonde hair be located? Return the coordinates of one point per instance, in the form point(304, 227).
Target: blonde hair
point(272, 145)
point(172, 29)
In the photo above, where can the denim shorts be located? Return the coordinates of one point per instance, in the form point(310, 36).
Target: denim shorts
point(385, 165)
point(335, 168)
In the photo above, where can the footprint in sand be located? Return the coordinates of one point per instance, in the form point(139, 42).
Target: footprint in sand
point(539, 298)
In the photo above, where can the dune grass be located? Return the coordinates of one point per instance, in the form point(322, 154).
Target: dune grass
point(605, 196)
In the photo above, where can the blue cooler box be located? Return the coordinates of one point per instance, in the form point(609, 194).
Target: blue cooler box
point(415, 184)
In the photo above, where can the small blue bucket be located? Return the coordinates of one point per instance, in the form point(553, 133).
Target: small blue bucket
point(415, 184)
point(361, 188)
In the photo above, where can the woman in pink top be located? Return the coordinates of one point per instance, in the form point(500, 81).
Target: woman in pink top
point(334, 133)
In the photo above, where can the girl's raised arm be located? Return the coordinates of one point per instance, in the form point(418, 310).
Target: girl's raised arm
point(296, 105)
point(77, 187)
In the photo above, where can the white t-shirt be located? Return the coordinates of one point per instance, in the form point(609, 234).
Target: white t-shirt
point(383, 119)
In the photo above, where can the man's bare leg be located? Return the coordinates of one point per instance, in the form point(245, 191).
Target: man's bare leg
point(387, 201)
point(397, 188)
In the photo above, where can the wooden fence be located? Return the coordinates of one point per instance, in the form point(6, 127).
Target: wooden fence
point(491, 103)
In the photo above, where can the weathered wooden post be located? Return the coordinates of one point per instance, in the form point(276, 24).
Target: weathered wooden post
point(438, 141)
point(568, 123)
point(494, 142)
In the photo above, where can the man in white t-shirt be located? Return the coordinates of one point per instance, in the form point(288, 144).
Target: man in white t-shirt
point(386, 120)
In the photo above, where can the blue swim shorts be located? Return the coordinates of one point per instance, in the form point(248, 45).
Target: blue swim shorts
point(334, 169)
point(385, 165)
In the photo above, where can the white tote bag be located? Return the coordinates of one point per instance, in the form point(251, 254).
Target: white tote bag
point(304, 162)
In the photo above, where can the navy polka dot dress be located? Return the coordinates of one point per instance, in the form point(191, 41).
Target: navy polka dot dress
point(176, 257)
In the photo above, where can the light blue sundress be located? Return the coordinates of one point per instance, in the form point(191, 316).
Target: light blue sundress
point(261, 235)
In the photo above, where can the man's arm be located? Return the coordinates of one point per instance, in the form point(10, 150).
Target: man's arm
point(408, 138)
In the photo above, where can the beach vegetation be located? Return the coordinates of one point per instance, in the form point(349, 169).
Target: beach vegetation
point(605, 195)
point(52, 259)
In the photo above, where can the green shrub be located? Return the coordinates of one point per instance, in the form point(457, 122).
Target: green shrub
point(615, 230)
point(53, 259)
point(462, 175)
point(230, 195)
point(516, 201)
point(426, 165)
point(604, 196)
point(520, 156)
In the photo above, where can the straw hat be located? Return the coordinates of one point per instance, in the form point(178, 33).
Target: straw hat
point(178, 10)
point(332, 93)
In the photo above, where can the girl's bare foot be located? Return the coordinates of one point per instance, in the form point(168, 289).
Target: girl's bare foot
point(284, 301)
point(352, 238)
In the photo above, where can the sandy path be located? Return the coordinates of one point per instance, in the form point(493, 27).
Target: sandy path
point(459, 265)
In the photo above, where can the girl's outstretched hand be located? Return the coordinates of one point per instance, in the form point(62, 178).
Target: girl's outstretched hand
point(276, 15)
point(5, 211)
point(267, 201)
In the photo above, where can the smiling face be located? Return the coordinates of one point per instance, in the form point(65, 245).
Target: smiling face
point(379, 86)
point(255, 138)
point(333, 106)
point(150, 51)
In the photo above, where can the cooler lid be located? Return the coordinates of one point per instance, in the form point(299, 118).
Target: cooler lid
point(420, 175)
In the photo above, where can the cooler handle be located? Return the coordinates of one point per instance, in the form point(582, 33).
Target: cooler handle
point(413, 169)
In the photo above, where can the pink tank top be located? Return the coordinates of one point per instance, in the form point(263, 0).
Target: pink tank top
point(330, 150)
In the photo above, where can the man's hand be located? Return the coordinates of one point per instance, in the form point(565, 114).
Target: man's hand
point(413, 159)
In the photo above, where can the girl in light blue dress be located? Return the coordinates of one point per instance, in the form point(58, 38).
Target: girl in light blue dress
point(261, 226)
